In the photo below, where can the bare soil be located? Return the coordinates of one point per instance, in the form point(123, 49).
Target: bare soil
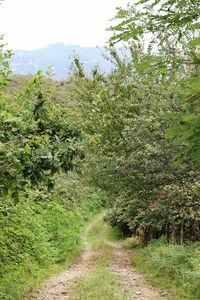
point(133, 283)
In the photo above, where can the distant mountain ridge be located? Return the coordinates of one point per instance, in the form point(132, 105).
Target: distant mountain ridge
point(58, 55)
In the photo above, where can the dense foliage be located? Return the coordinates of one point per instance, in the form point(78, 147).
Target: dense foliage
point(42, 210)
point(36, 140)
point(41, 231)
point(142, 122)
point(170, 29)
point(134, 133)
point(175, 267)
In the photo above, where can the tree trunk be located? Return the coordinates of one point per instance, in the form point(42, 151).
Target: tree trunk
point(173, 233)
point(182, 232)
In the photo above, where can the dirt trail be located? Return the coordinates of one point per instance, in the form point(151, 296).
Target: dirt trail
point(58, 287)
point(132, 282)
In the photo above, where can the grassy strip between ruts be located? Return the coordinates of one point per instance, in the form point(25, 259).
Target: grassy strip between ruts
point(173, 267)
point(99, 283)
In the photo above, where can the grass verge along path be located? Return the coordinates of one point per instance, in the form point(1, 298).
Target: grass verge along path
point(172, 267)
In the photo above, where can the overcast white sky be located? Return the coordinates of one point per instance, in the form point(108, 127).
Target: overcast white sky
point(32, 24)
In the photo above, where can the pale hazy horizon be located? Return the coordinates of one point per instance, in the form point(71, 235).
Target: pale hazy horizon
point(33, 24)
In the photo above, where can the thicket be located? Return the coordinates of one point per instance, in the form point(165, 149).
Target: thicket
point(175, 267)
point(142, 121)
point(44, 200)
point(42, 231)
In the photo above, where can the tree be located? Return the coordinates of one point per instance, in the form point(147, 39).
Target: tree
point(36, 140)
point(172, 28)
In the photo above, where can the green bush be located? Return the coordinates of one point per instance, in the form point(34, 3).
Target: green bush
point(173, 266)
point(42, 230)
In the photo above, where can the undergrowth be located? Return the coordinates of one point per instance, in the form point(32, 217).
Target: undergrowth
point(175, 267)
point(42, 232)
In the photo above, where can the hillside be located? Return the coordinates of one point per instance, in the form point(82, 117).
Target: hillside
point(58, 55)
